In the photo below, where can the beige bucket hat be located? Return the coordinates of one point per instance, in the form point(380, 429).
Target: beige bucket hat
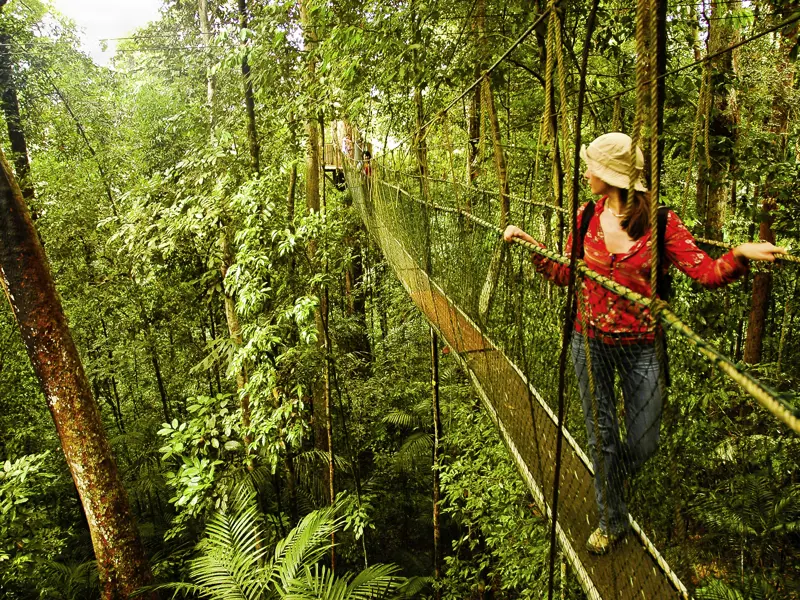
point(609, 158)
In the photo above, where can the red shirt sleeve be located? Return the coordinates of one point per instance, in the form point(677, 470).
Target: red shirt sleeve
point(682, 251)
point(555, 272)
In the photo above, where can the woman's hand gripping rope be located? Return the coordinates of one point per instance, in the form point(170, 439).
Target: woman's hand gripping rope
point(512, 231)
point(758, 251)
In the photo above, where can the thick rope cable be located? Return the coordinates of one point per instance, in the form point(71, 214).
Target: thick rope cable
point(655, 163)
point(572, 287)
point(563, 110)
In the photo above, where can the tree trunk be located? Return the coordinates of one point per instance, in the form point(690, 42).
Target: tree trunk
point(500, 250)
point(762, 290)
point(356, 340)
point(229, 302)
point(235, 331)
point(321, 403)
point(722, 124)
point(437, 456)
point(313, 206)
point(10, 104)
point(205, 29)
point(499, 154)
point(162, 390)
point(762, 281)
point(474, 134)
point(31, 291)
point(249, 100)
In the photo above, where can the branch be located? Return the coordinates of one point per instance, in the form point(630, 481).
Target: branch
point(528, 69)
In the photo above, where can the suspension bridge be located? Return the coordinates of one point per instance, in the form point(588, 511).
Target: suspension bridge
point(442, 255)
point(504, 322)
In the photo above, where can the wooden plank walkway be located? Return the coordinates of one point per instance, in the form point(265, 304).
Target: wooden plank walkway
point(634, 569)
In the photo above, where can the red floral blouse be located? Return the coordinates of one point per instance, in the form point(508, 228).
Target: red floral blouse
point(615, 319)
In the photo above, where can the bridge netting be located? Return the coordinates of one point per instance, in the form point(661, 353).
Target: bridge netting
point(701, 463)
point(718, 497)
point(691, 453)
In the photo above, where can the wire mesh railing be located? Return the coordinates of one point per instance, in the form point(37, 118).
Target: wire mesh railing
point(510, 342)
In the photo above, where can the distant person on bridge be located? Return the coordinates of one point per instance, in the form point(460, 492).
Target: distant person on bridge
point(367, 159)
point(616, 242)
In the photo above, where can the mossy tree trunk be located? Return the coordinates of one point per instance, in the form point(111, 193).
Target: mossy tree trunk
point(249, 99)
point(32, 294)
point(722, 118)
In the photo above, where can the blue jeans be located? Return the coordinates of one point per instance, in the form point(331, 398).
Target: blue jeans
point(638, 368)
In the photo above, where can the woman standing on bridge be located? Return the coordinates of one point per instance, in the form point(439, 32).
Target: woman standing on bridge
point(616, 241)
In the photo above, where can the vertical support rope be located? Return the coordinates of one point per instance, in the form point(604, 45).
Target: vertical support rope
point(642, 91)
point(569, 313)
point(654, 154)
point(547, 132)
point(563, 109)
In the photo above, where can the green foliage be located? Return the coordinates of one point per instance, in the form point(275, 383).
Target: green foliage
point(235, 561)
point(502, 540)
point(74, 581)
point(19, 480)
point(136, 227)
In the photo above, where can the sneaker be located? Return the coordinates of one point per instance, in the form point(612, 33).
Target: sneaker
point(601, 542)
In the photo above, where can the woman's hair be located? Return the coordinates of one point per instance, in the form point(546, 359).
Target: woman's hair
point(636, 221)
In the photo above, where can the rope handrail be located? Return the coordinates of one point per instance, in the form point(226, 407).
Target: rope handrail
point(787, 258)
point(764, 395)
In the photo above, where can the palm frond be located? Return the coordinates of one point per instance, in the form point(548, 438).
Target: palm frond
point(402, 418)
point(305, 544)
point(232, 554)
point(416, 447)
point(413, 587)
point(376, 581)
point(319, 583)
point(309, 467)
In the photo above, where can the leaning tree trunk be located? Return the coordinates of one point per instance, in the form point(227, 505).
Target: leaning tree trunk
point(501, 249)
point(228, 256)
point(31, 292)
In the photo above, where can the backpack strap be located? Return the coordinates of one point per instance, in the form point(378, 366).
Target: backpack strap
point(586, 217)
point(663, 280)
point(663, 285)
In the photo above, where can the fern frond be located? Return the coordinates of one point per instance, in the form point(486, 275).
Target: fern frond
point(416, 447)
point(229, 567)
point(305, 544)
point(402, 418)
